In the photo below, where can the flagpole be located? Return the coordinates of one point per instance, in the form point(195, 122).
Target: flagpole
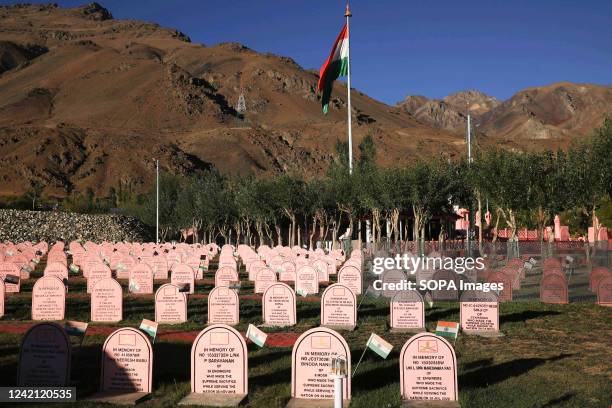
point(348, 15)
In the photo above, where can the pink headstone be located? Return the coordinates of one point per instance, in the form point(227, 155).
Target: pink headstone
point(278, 305)
point(44, 357)
point(392, 279)
point(159, 264)
point(254, 267)
point(170, 305)
point(338, 307)
point(2, 296)
point(553, 289)
point(56, 269)
point(141, 279)
point(505, 295)
point(287, 273)
point(479, 312)
point(264, 278)
point(407, 311)
point(604, 291)
point(596, 275)
point(276, 262)
point(321, 267)
point(97, 272)
point(225, 275)
point(106, 301)
point(451, 290)
point(311, 364)
point(48, 299)
point(127, 362)
point(428, 369)
point(219, 363)
point(351, 277)
point(183, 275)
point(223, 306)
point(8, 268)
point(307, 280)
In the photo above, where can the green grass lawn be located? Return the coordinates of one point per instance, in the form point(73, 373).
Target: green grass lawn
point(550, 356)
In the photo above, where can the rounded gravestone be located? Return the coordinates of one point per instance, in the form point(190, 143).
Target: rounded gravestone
point(311, 364)
point(350, 276)
point(278, 305)
point(48, 299)
point(407, 312)
point(219, 363)
point(170, 305)
point(428, 369)
point(479, 312)
point(223, 306)
point(338, 307)
point(553, 289)
point(307, 281)
point(127, 362)
point(225, 275)
point(44, 357)
point(107, 301)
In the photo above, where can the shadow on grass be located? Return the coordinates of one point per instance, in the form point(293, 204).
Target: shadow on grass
point(376, 378)
point(478, 363)
point(556, 401)
point(490, 375)
point(268, 358)
point(435, 315)
point(172, 361)
point(526, 315)
point(270, 379)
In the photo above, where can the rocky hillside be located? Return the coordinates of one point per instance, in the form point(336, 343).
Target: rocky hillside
point(546, 116)
point(89, 101)
point(34, 226)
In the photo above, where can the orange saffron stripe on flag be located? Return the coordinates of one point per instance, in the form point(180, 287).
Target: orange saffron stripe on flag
point(448, 324)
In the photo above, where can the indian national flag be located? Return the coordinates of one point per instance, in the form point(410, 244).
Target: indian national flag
point(379, 345)
point(75, 328)
point(149, 327)
point(335, 67)
point(447, 329)
point(256, 336)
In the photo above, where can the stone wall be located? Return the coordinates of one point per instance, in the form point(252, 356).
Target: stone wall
point(19, 226)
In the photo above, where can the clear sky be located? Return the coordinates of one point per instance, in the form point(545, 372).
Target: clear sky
point(404, 47)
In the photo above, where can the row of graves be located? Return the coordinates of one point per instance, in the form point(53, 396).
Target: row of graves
point(219, 357)
point(553, 280)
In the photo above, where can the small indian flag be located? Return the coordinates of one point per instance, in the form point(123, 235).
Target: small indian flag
point(149, 327)
point(256, 336)
point(74, 328)
point(74, 268)
point(302, 292)
point(12, 279)
point(447, 329)
point(379, 345)
point(235, 285)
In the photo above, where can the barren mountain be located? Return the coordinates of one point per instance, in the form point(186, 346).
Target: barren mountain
point(546, 116)
point(88, 101)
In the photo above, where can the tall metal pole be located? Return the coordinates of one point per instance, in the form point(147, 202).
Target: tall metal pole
point(348, 15)
point(157, 201)
point(469, 137)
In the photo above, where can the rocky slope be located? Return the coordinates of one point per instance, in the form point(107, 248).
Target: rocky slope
point(89, 101)
point(101, 98)
point(546, 116)
point(35, 226)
